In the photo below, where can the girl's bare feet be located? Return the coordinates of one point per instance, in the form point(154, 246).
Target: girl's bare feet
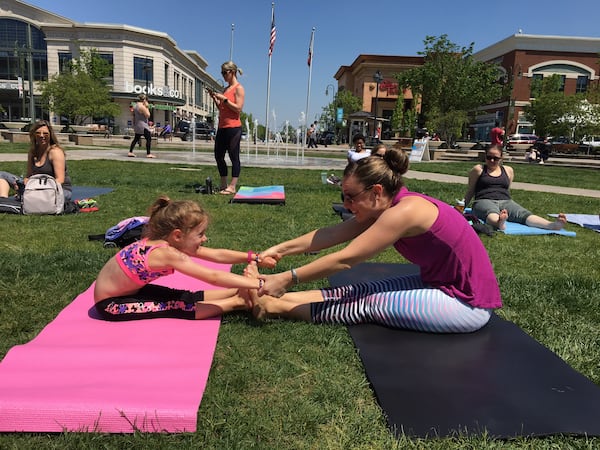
point(260, 305)
point(245, 295)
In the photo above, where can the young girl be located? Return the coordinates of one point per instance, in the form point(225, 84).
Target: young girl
point(175, 231)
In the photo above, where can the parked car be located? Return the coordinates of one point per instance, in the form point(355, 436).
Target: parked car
point(326, 138)
point(183, 131)
point(563, 144)
point(521, 140)
point(590, 145)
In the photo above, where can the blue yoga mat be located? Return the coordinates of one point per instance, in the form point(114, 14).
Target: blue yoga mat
point(517, 228)
point(80, 192)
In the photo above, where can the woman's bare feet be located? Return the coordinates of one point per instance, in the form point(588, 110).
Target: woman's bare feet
point(502, 218)
point(264, 307)
point(261, 306)
point(560, 222)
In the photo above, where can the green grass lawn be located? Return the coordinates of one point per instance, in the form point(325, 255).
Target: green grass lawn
point(285, 384)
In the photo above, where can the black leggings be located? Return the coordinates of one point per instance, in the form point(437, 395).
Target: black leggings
point(151, 302)
point(137, 139)
point(228, 141)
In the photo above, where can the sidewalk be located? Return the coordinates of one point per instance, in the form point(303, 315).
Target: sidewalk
point(275, 159)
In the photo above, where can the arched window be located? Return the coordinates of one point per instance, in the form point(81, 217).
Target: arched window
point(14, 50)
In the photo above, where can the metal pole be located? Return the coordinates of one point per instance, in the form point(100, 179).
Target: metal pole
point(30, 63)
point(231, 46)
point(378, 79)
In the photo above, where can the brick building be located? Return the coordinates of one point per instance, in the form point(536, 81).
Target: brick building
point(522, 58)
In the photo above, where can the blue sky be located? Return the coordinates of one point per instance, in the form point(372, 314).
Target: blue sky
point(343, 30)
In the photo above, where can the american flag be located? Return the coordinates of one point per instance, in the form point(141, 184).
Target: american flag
point(273, 33)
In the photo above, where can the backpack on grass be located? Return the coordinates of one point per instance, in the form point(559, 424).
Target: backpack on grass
point(10, 205)
point(122, 234)
point(43, 195)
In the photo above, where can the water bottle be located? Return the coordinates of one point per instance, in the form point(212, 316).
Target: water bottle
point(209, 186)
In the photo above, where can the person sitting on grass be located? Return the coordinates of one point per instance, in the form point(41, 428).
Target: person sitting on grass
point(175, 231)
point(8, 181)
point(455, 291)
point(489, 186)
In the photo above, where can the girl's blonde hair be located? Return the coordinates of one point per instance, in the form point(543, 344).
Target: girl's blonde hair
point(167, 215)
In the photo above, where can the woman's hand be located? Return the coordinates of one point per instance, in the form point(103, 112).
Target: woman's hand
point(272, 253)
point(266, 261)
point(275, 285)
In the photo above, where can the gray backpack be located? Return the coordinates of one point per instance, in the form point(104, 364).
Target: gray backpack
point(43, 195)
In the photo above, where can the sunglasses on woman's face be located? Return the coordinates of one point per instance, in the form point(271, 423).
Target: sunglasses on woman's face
point(493, 158)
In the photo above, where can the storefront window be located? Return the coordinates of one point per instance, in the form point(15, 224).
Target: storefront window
point(143, 70)
point(15, 51)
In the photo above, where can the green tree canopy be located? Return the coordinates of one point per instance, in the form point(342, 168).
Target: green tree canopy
point(555, 114)
point(81, 92)
point(349, 103)
point(450, 85)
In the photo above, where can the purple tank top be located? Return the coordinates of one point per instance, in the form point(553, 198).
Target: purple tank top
point(451, 256)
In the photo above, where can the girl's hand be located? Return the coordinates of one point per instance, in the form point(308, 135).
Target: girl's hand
point(266, 261)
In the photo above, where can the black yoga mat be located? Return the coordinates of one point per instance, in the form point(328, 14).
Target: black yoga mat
point(498, 379)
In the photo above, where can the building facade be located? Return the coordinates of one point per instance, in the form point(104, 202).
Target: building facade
point(525, 57)
point(35, 44)
point(521, 58)
point(372, 79)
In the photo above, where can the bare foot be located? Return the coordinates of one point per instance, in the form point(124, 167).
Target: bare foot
point(560, 222)
point(245, 295)
point(263, 307)
point(502, 217)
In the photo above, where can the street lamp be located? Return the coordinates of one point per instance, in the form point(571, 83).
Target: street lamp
point(378, 77)
point(332, 100)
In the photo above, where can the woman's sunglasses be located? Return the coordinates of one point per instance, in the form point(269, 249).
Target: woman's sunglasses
point(493, 158)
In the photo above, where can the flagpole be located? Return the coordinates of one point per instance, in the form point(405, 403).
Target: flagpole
point(271, 44)
point(310, 57)
point(231, 47)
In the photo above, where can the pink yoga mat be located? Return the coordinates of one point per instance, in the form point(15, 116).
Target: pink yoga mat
point(84, 374)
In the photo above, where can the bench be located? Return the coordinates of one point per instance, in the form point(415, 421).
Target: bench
point(81, 139)
point(436, 153)
point(16, 136)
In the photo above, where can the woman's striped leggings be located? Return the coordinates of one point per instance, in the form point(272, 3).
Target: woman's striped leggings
point(402, 302)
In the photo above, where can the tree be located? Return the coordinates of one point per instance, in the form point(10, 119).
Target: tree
point(349, 103)
point(549, 106)
point(81, 92)
point(450, 85)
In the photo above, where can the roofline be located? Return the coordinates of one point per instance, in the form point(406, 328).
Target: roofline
point(381, 59)
point(550, 43)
